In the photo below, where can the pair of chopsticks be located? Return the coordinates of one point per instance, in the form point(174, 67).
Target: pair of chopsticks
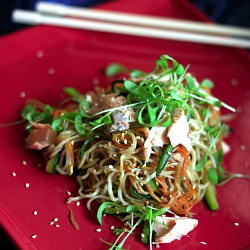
point(132, 24)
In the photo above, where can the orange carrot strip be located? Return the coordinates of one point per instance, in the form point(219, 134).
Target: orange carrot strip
point(70, 149)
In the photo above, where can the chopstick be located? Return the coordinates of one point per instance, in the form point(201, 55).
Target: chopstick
point(158, 22)
point(34, 18)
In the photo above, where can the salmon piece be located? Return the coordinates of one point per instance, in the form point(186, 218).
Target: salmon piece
point(157, 137)
point(41, 136)
point(168, 229)
point(178, 132)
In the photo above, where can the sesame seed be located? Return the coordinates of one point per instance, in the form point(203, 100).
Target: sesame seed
point(78, 203)
point(24, 162)
point(234, 82)
point(39, 54)
point(98, 230)
point(27, 185)
point(57, 225)
point(52, 223)
point(236, 224)
point(51, 71)
point(13, 174)
point(34, 236)
point(112, 227)
point(55, 219)
point(22, 94)
point(68, 192)
point(203, 243)
point(242, 147)
point(142, 235)
point(35, 212)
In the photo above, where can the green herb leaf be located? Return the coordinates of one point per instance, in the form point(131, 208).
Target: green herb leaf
point(134, 209)
point(79, 126)
point(105, 205)
point(201, 164)
point(28, 112)
point(75, 95)
point(136, 74)
point(190, 83)
point(114, 69)
point(84, 107)
point(130, 86)
point(179, 69)
point(57, 124)
point(207, 83)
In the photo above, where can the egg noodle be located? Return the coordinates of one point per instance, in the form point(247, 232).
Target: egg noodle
point(149, 144)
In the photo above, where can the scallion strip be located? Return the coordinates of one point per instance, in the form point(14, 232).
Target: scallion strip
point(166, 152)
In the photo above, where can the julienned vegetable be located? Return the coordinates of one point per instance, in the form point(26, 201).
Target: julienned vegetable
point(148, 149)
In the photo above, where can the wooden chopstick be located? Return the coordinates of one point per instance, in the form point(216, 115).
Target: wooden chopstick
point(125, 18)
point(34, 18)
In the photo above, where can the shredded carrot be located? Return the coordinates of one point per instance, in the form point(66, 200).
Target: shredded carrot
point(142, 131)
point(72, 218)
point(180, 205)
point(166, 194)
point(132, 181)
point(71, 153)
point(153, 195)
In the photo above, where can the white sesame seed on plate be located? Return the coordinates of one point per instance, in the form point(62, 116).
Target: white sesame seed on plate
point(68, 192)
point(51, 71)
point(236, 224)
point(27, 185)
point(234, 82)
point(35, 212)
point(203, 243)
point(34, 236)
point(22, 94)
point(39, 53)
point(78, 203)
point(24, 162)
point(13, 174)
point(98, 230)
point(112, 227)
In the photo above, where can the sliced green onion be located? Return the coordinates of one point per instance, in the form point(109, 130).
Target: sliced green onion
point(210, 197)
point(166, 152)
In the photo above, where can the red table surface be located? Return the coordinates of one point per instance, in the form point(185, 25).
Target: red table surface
point(38, 62)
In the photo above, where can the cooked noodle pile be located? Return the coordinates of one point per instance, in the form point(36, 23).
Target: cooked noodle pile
point(153, 140)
